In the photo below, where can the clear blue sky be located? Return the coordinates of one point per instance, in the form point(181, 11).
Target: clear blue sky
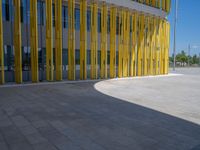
point(188, 25)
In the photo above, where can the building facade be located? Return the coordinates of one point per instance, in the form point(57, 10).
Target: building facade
point(82, 39)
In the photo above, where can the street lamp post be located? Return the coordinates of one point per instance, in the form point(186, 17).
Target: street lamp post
point(175, 21)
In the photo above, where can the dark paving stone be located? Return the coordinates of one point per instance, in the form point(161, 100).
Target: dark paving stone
point(35, 138)
point(3, 146)
point(26, 130)
point(9, 111)
point(196, 147)
point(44, 146)
point(76, 116)
point(1, 137)
point(39, 123)
point(5, 123)
point(47, 130)
point(3, 117)
point(77, 138)
point(30, 116)
point(12, 135)
point(63, 143)
point(20, 121)
point(21, 146)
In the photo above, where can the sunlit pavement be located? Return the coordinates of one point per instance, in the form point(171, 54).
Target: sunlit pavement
point(150, 113)
point(177, 94)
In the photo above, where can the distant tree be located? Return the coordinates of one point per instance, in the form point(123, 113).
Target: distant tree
point(195, 59)
point(182, 58)
point(190, 59)
point(171, 59)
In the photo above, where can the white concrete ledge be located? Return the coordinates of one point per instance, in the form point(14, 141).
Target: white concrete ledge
point(134, 6)
point(137, 6)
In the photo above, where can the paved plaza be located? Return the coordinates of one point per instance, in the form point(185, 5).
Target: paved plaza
point(149, 113)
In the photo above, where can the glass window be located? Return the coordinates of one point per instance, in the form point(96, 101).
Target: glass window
point(131, 22)
point(25, 58)
point(108, 24)
point(7, 18)
point(77, 57)
point(65, 16)
point(5, 10)
point(41, 13)
point(99, 22)
point(54, 57)
point(77, 19)
point(9, 58)
point(5, 57)
point(22, 9)
point(53, 14)
point(108, 57)
point(10, 10)
point(88, 57)
point(88, 20)
point(44, 13)
point(99, 57)
point(41, 58)
point(117, 58)
point(25, 11)
point(27, 20)
point(65, 56)
point(117, 25)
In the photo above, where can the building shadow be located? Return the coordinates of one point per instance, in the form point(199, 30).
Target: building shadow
point(98, 121)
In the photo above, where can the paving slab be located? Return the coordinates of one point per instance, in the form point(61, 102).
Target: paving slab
point(176, 94)
point(151, 113)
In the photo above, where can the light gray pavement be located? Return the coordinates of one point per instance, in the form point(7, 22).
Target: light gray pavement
point(177, 94)
point(76, 116)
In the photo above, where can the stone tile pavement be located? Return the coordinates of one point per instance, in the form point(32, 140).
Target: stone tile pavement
point(77, 117)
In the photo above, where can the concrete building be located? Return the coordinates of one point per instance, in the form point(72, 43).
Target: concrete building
point(82, 39)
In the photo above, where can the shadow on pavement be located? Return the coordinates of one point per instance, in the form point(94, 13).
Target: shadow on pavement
point(76, 116)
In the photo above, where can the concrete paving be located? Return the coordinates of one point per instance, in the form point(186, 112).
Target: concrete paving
point(137, 114)
point(177, 94)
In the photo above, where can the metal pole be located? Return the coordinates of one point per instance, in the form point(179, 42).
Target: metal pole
point(189, 55)
point(175, 21)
